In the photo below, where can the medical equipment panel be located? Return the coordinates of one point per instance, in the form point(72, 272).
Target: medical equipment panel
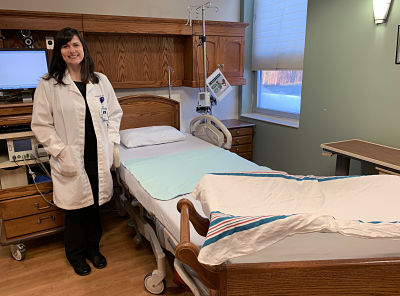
point(21, 146)
point(25, 148)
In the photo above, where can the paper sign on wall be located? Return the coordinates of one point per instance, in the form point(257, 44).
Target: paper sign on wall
point(218, 85)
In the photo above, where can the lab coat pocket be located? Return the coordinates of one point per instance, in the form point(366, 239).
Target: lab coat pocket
point(64, 164)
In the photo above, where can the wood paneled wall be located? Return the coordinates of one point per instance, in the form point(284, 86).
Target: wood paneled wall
point(137, 60)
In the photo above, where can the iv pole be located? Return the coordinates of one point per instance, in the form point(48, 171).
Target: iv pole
point(204, 42)
point(203, 39)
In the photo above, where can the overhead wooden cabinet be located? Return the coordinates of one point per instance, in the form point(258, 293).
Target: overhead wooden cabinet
point(136, 52)
point(224, 48)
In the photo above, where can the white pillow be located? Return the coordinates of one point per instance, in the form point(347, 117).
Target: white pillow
point(150, 135)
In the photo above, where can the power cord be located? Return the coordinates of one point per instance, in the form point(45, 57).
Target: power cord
point(33, 175)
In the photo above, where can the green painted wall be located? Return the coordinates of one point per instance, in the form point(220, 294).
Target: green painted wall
point(351, 88)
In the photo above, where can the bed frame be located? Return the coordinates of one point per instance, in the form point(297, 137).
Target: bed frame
point(374, 276)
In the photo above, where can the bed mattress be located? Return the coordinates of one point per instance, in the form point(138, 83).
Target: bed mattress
point(299, 247)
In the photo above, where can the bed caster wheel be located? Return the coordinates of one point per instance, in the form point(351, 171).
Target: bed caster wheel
point(153, 287)
point(18, 251)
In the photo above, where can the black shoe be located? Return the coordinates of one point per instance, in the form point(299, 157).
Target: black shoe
point(81, 267)
point(98, 260)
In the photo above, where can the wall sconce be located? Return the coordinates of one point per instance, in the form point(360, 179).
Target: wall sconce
point(381, 9)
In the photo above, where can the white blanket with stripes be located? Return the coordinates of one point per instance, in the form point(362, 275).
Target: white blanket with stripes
point(250, 211)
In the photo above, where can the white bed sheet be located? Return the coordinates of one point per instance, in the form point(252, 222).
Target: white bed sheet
point(311, 246)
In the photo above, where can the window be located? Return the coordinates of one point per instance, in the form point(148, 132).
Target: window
point(279, 28)
point(279, 93)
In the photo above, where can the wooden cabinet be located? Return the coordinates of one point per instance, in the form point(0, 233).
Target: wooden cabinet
point(24, 214)
point(231, 59)
point(242, 137)
point(135, 52)
point(194, 70)
point(225, 51)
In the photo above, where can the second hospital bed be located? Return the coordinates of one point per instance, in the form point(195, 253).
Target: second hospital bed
point(307, 264)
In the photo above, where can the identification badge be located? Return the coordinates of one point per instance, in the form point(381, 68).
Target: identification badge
point(104, 114)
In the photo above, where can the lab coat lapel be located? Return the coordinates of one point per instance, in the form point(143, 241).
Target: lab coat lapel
point(89, 88)
point(70, 83)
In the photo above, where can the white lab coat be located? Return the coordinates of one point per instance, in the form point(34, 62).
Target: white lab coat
point(58, 122)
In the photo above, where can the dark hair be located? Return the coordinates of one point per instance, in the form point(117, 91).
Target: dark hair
point(58, 66)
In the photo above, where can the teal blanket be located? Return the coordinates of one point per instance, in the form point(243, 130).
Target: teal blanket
point(167, 176)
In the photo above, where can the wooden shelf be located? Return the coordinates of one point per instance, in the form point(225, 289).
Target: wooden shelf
point(6, 163)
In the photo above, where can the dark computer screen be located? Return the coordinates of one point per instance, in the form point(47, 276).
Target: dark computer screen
point(21, 68)
point(22, 145)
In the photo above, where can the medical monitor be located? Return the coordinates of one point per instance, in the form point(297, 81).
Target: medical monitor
point(21, 68)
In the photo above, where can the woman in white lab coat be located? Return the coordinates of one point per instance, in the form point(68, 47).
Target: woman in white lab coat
point(76, 116)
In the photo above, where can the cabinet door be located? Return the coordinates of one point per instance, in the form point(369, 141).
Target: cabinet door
point(212, 53)
point(231, 56)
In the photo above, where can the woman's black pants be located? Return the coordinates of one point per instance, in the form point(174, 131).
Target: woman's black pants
point(82, 229)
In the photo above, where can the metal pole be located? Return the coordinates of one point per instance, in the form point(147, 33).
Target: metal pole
point(169, 81)
point(204, 47)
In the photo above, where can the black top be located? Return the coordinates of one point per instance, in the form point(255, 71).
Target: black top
point(90, 154)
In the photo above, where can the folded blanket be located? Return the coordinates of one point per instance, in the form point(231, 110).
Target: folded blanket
point(250, 211)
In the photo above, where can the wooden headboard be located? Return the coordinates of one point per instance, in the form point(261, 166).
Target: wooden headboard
point(149, 110)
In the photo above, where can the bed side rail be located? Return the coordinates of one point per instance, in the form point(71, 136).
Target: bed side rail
point(187, 252)
point(200, 223)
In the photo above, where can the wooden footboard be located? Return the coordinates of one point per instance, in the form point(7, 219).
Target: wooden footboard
point(187, 252)
point(373, 276)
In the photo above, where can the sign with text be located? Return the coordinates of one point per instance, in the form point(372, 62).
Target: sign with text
point(218, 85)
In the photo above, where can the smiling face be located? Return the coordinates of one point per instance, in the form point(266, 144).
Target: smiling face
point(72, 52)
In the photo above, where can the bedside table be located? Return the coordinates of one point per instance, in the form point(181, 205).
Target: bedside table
point(242, 137)
point(25, 215)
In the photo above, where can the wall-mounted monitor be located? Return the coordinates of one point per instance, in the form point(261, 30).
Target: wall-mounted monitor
point(21, 68)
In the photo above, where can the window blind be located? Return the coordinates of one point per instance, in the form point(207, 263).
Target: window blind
point(279, 29)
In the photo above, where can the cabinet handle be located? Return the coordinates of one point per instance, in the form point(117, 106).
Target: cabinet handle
point(44, 218)
point(41, 208)
point(238, 132)
point(237, 142)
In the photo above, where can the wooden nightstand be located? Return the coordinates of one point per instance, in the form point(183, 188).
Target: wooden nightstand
point(242, 137)
point(25, 215)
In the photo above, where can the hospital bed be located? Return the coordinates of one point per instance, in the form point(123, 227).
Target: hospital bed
point(307, 264)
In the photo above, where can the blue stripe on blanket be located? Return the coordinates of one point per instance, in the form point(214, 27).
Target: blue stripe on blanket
point(223, 225)
point(216, 220)
point(378, 222)
point(289, 177)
